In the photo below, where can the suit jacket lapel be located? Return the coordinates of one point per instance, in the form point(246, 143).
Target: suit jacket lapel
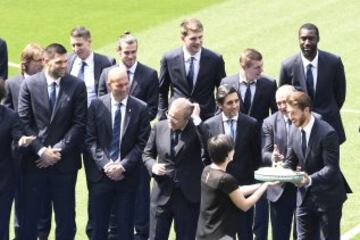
point(184, 135)
point(299, 73)
point(43, 93)
point(71, 61)
point(108, 125)
point(281, 134)
point(128, 114)
point(202, 70)
point(312, 138)
point(97, 71)
point(297, 147)
point(320, 81)
point(136, 79)
point(257, 95)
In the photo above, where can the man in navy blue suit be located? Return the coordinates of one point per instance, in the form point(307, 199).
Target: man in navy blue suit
point(314, 148)
point(52, 107)
point(318, 73)
point(3, 60)
point(117, 129)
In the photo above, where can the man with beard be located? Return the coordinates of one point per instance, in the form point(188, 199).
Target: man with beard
point(318, 73)
point(314, 149)
point(52, 107)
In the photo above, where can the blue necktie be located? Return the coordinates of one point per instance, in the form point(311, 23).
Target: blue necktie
point(190, 75)
point(303, 141)
point(52, 96)
point(310, 82)
point(81, 71)
point(247, 99)
point(115, 140)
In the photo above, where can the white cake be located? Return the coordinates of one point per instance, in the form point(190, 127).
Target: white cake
point(278, 174)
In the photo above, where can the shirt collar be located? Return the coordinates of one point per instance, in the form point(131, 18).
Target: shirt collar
point(306, 62)
point(225, 118)
point(309, 126)
point(187, 55)
point(244, 81)
point(89, 60)
point(50, 79)
point(115, 103)
point(133, 68)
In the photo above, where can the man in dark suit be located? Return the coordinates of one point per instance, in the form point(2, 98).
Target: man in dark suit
point(246, 134)
point(275, 134)
point(3, 60)
point(314, 148)
point(191, 71)
point(31, 63)
point(320, 74)
point(144, 82)
point(257, 98)
point(86, 65)
point(173, 158)
point(144, 85)
point(52, 106)
point(117, 130)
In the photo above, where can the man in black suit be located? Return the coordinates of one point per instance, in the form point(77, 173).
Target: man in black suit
point(86, 65)
point(191, 71)
point(144, 85)
point(275, 136)
point(246, 134)
point(144, 82)
point(173, 158)
point(31, 63)
point(314, 148)
point(117, 130)
point(320, 74)
point(257, 98)
point(3, 60)
point(52, 106)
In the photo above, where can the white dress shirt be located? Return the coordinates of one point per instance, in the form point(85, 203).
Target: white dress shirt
point(226, 124)
point(314, 68)
point(89, 75)
point(196, 63)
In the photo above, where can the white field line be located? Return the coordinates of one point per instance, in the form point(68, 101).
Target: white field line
point(352, 233)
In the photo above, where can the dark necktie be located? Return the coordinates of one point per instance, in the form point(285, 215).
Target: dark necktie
point(52, 96)
point(115, 140)
point(81, 71)
point(303, 141)
point(174, 141)
point(247, 98)
point(310, 82)
point(231, 127)
point(190, 74)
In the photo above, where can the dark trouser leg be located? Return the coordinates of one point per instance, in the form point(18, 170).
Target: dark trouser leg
point(186, 216)
point(63, 197)
point(6, 198)
point(160, 221)
point(44, 223)
point(245, 222)
point(261, 218)
point(125, 203)
point(142, 205)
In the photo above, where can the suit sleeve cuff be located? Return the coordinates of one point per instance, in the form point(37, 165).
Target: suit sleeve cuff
point(41, 151)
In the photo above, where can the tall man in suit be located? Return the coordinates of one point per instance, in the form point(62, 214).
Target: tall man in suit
point(31, 62)
point(246, 134)
point(314, 147)
point(318, 73)
point(173, 158)
point(144, 85)
point(257, 99)
point(117, 131)
point(86, 65)
point(191, 71)
point(275, 136)
point(3, 60)
point(52, 106)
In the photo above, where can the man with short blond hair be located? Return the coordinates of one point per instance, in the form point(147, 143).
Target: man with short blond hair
point(190, 71)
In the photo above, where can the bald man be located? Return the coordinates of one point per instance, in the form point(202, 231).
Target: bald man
point(176, 186)
point(116, 147)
